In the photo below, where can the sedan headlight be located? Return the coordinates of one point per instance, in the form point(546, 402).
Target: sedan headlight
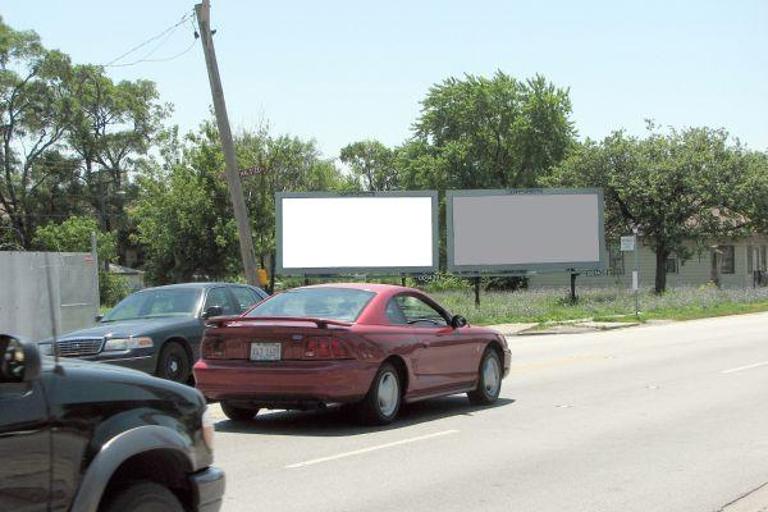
point(45, 349)
point(123, 344)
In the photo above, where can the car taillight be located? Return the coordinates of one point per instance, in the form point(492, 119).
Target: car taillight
point(325, 348)
point(214, 348)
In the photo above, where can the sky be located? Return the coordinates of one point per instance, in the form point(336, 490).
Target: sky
point(341, 71)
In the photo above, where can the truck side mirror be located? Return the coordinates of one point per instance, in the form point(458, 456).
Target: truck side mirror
point(19, 361)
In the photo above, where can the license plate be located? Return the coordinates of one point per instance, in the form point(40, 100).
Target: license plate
point(265, 351)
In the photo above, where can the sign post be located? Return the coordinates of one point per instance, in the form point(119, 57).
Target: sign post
point(629, 243)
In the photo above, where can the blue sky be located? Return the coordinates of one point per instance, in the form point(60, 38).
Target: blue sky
point(340, 71)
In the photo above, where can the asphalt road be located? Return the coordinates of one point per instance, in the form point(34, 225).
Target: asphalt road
point(655, 418)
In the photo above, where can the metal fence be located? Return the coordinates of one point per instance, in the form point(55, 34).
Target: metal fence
point(24, 292)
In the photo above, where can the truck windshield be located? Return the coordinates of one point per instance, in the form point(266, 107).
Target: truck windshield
point(156, 303)
point(344, 304)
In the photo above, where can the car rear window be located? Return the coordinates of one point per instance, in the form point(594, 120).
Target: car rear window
point(344, 304)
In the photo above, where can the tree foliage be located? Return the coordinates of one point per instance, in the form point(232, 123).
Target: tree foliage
point(70, 137)
point(183, 216)
point(372, 165)
point(480, 132)
point(673, 187)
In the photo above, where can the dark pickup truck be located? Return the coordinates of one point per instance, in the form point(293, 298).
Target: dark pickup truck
point(83, 436)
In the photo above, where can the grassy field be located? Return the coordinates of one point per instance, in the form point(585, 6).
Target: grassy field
point(600, 304)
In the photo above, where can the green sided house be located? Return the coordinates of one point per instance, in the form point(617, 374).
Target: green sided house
point(738, 263)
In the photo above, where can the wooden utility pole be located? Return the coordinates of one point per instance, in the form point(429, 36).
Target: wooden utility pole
point(203, 12)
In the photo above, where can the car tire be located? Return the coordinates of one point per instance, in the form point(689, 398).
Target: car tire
point(174, 363)
point(489, 378)
point(238, 413)
point(382, 403)
point(143, 497)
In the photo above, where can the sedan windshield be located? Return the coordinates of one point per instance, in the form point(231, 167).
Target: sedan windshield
point(156, 303)
point(344, 304)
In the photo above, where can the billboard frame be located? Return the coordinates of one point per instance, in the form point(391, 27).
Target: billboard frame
point(330, 271)
point(523, 268)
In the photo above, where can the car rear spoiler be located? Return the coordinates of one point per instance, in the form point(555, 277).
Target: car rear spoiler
point(322, 323)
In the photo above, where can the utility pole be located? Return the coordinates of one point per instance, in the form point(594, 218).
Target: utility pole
point(203, 12)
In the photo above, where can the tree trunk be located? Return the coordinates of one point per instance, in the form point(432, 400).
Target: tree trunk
point(662, 254)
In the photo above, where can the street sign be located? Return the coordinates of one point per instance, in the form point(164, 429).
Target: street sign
point(628, 243)
point(635, 280)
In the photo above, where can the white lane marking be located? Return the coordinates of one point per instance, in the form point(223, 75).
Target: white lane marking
point(370, 449)
point(747, 367)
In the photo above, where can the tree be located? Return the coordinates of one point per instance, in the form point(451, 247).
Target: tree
point(372, 165)
point(113, 125)
point(279, 164)
point(74, 235)
point(494, 132)
point(35, 109)
point(183, 216)
point(674, 188)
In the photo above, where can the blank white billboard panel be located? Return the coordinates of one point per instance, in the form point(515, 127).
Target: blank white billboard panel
point(334, 234)
point(525, 230)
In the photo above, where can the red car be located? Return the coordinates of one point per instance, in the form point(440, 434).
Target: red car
point(373, 345)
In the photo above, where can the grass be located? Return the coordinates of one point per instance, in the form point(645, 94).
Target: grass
point(541, 306)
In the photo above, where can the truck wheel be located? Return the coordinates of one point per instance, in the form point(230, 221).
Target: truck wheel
point(236, 413)
point(143, 497)
point(173, 363)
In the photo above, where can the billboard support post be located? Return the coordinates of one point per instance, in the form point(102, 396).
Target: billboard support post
point(573, 286)
point(636, 279)
point(477, 291)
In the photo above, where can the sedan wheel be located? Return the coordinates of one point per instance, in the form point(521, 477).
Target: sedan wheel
point(382, 402)
point(489, 380)
point(238, 413)
point(174, 363)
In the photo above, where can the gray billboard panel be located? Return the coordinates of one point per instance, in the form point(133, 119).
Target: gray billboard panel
point(384, 233)
point(525, 230)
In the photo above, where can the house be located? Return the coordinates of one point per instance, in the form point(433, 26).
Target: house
point(134, 278)
point(738, 263)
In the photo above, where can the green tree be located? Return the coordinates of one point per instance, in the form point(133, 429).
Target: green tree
point(35, 109)
point(674, 188)
point(496, 132)
point(74, 235)
point(372, 165)
point(183, 217)
point(113, 126)
point(279, 164)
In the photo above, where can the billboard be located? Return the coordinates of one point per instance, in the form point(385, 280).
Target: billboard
point(525, 230)
point(380, 233)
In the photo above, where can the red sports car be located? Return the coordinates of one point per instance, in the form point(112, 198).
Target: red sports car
point(372, 345)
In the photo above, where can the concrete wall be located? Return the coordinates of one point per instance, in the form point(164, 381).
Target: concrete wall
point(24, 303)
point(693, 272)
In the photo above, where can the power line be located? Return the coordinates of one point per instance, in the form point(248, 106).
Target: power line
point(184, 19)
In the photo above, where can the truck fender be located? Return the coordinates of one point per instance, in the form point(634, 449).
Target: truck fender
point(119, 449)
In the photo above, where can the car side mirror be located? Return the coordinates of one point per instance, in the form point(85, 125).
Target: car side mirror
point(19, 361)
point(458, 321)
point(98, 318)
point(213, 311)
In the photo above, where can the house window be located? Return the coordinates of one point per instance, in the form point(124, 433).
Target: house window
point(671, 266)
point(727, 259)
point(616, 261)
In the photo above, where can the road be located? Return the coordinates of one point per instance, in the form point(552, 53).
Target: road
point(669, 417)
